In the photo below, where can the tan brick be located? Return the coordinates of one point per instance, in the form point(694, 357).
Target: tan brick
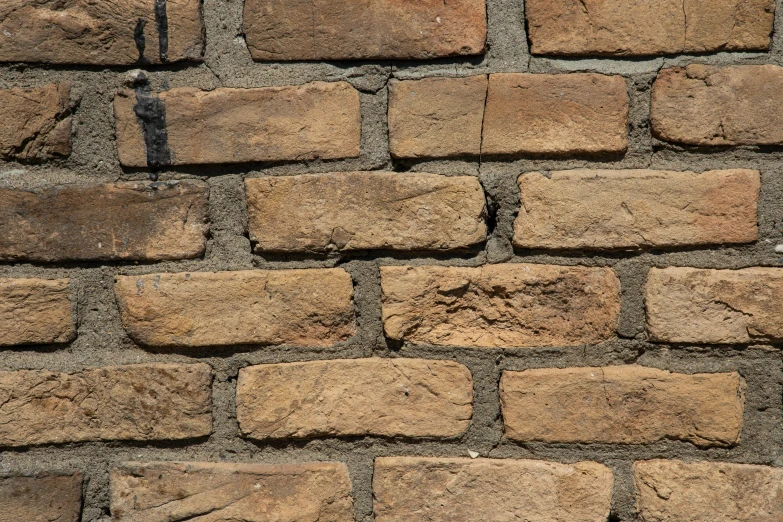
point(500, 306)
point(342, 30)
point(622, 405)
point(709, 106)
point(365, 210)
point(178, 491)
point(36, 122)
point(691, 305)
point(356, 397)
point(35, 311)
point(676, 491)
point(623, 28)
point(299, 307)
point(555, 114)
point(436, 117)
point(41, 498)
point(411, 489)
point(606, 209)
point(101, 33)
point(119, 221)
point(138, 402)
point(313, 121)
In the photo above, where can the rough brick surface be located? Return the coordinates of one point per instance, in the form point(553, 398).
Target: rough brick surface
point(365, 210)
point(45, 497)
point(36, 122)
point(179, 491)
point(622, 404)
point(445, 490)
point(139, 402)
point(606, 209)
point(500, 306)
point(35, 311)
point(299, 307)
point(384, 397)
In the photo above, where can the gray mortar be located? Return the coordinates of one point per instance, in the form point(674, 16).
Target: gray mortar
point(102, 340)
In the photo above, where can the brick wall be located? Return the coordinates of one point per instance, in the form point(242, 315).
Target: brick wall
point(413, 261)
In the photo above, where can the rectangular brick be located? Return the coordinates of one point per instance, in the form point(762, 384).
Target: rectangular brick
point(500, 306)
point(622, 405)
point(365, 210)
point(178, 491)
point(343, 30)
point(413, 489)
point(691, 305)
point(35, 311)
point(298, 307)
point(610, 209)
point(36, 122)
point(356, 397)
point(313, 121)
point(118, 221)
point(43, 497)
point(138, 402)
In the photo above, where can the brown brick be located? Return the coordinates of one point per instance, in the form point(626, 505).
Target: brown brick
point(313, 121)
point(623, 28)
point(708, 106)
point(139, 402)
point(606, 209)
point(691, 305)
point(500, 306)
point(299, 307)
point(411, 489)
point(356, 397)
point(365, 210)
point(622, 405)
point(99, 33)
point(342, 30)
point(35, 311)
point(676, 491)
point(119, 221)
point(41, 498)
point(178, 491)
point(36, 122)
point(555, 114)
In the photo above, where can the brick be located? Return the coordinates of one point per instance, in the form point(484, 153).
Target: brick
point(298, 307)
point(412, 489)
point(178, 491)
point(500, 306)
point(713, 106)
point(622, 405)
point(41, 498)
point(676, 491)
point(436, 117)
point(613, 209)
point(622, 28)
point(313, 121)
point(139, 402)
point(101, 33)
point(357, 397)
point(118, 221)
point(36, 122)
point(555, 114)
point(365, 210)
point(342, 30)
point(35, 311)
point(691, 305)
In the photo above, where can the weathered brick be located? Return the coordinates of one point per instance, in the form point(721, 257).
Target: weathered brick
point(709, 106)
point(313, 121)
point(691, 305)
point(101, 33)
point(500, 306)
point(410, 489)
point(128, 221)
point(342, 30)
point(138, 402)
point(676, 491)
point(555, 114)
point(606, 209)
point(35, 311)
point(41, 498)
point(622, 405)
point(299, 307)
point(178, 491)
point(365, 210)
point(36, 122)
point(623, 28)
point(356, 397)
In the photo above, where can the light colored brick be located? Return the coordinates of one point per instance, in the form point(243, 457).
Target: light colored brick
point(35, 311)
point(36, 122)
point(41, 498)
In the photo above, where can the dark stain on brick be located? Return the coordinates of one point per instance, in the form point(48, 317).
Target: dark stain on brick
point(138, 37)
point(162, 24)
point(151, 113)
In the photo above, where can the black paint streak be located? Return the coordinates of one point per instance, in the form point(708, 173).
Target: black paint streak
point(151, 112)
point(162, 23)
point(138, 37)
